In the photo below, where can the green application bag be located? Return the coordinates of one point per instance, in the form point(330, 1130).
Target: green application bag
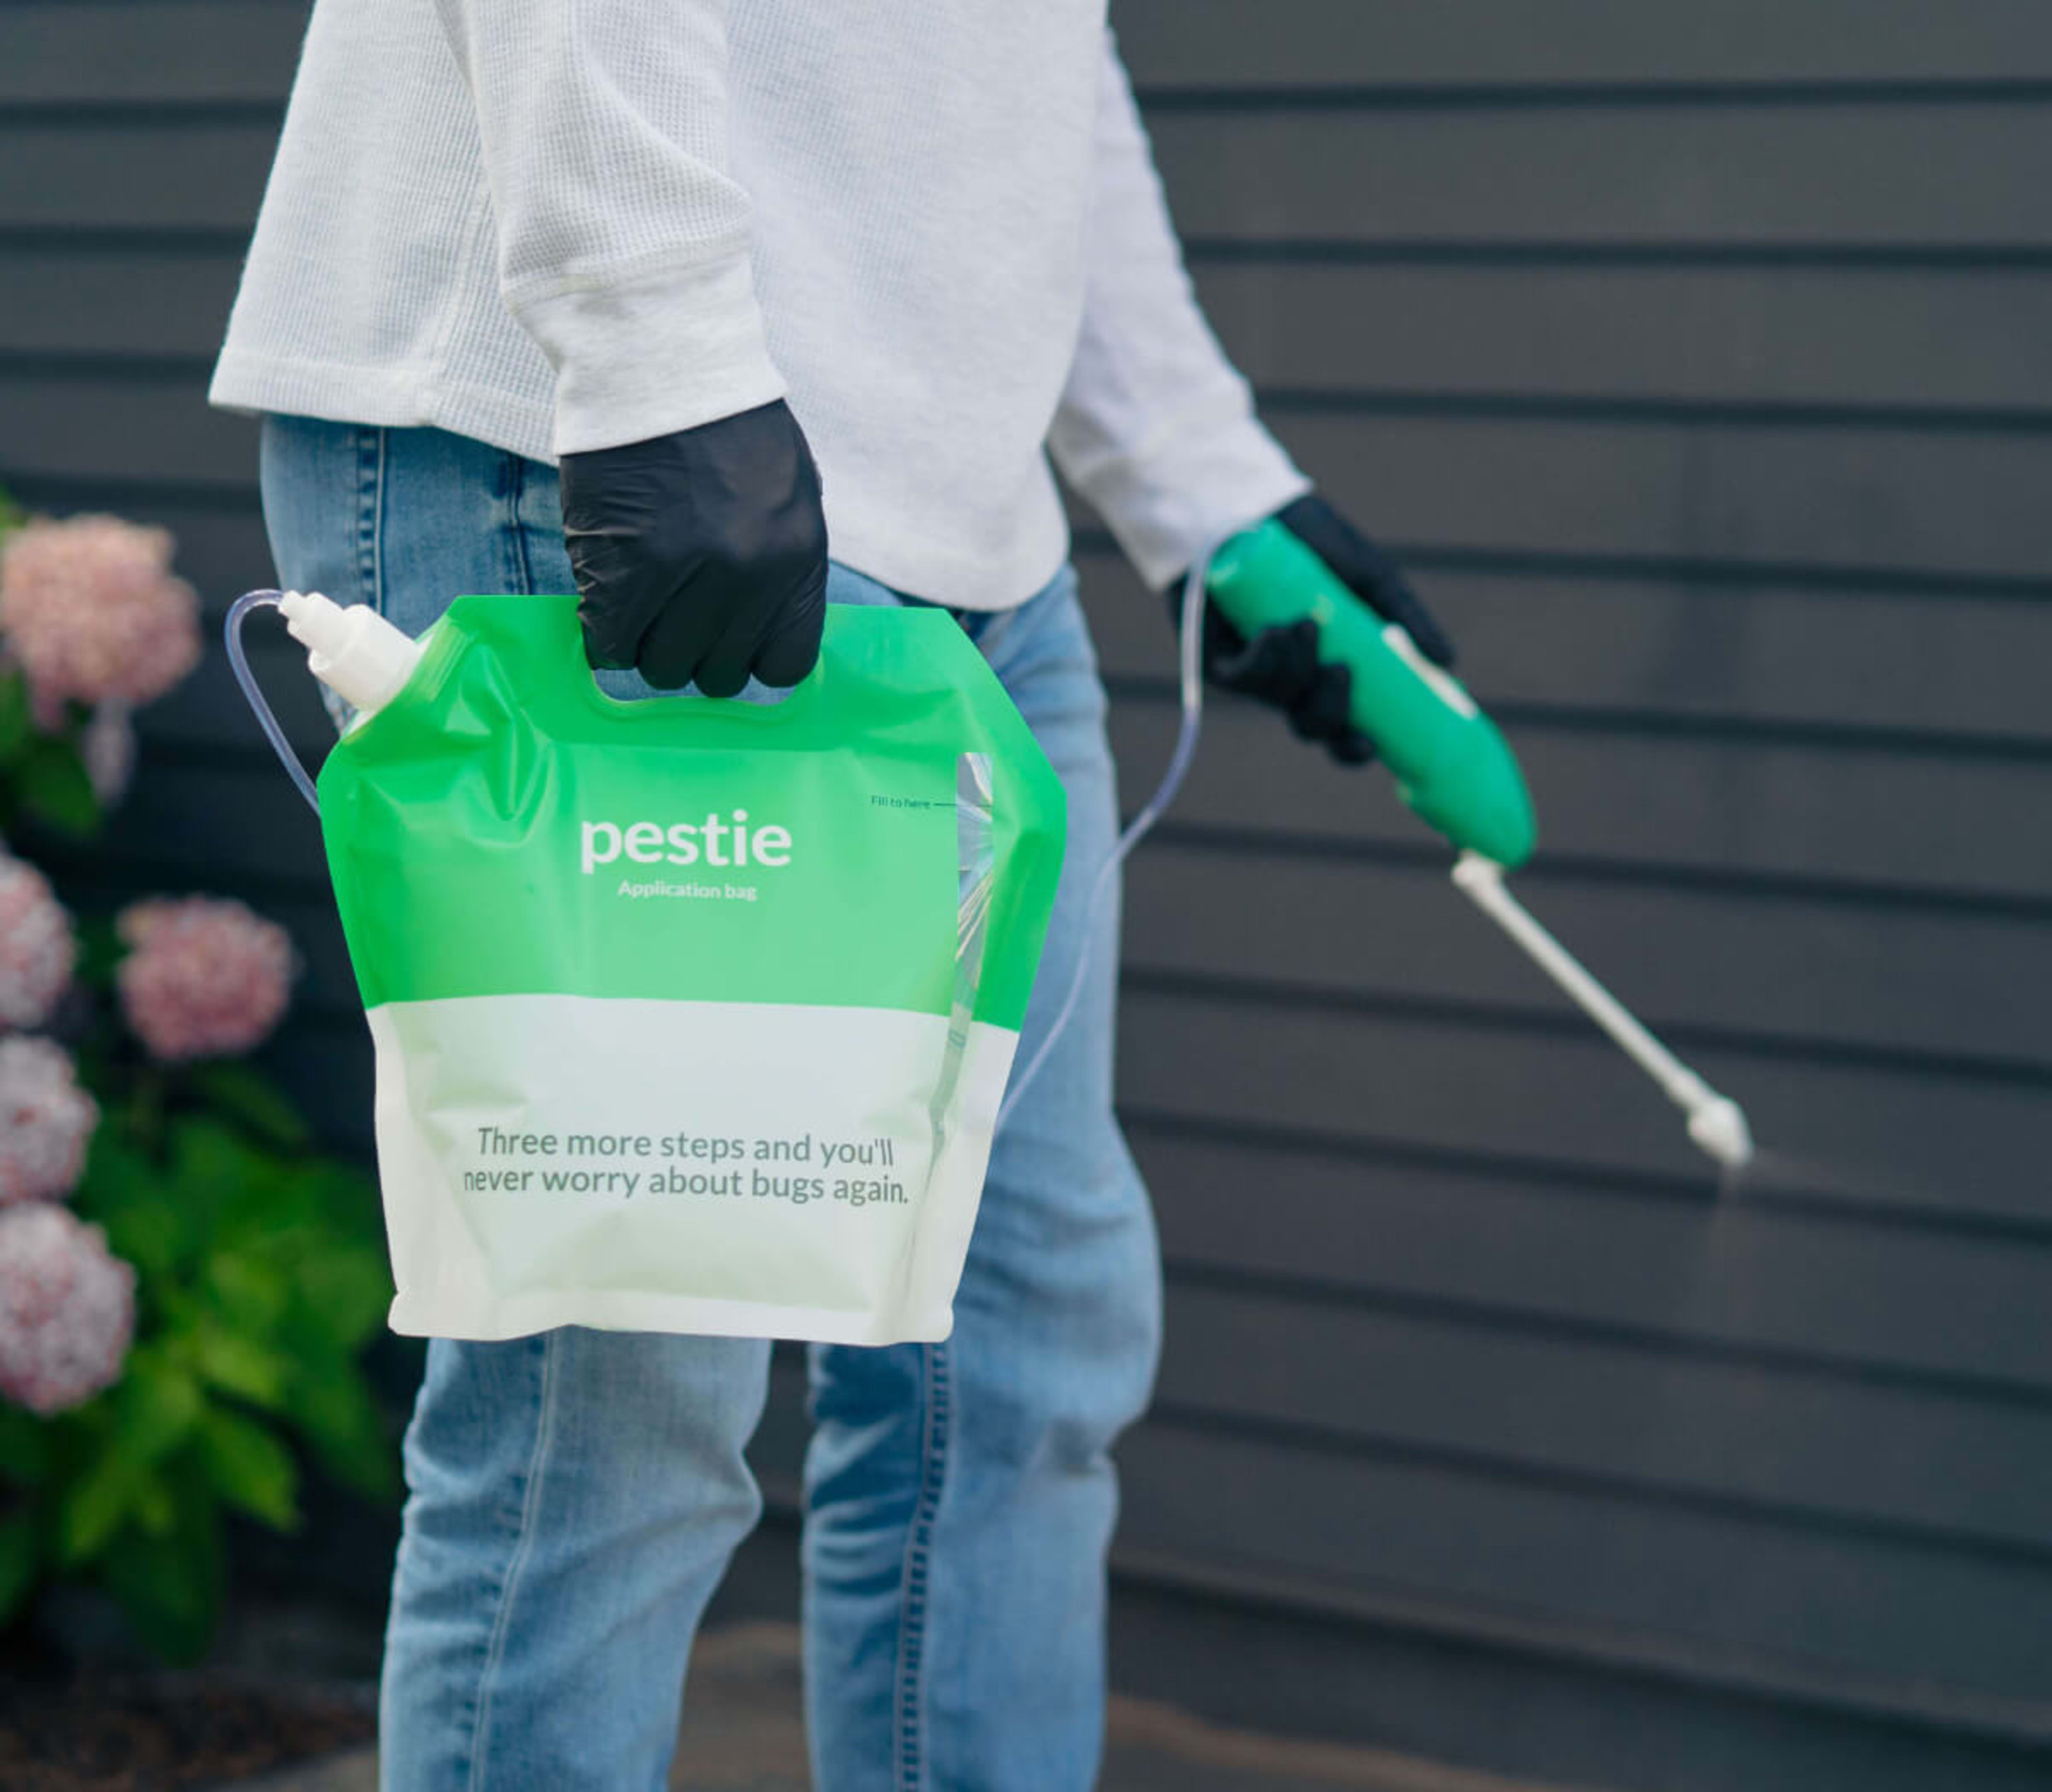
point(689, 1015)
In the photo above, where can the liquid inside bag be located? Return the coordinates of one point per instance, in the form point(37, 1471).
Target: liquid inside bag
point(689, 1015)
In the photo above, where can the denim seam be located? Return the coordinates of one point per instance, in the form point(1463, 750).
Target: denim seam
point(522, 1546)
point(377, 526)
point(364, 439)
point(919, 1549)
point(370, 464)
point(523, 573)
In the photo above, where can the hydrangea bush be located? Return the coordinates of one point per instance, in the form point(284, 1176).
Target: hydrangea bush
point(186, 1284)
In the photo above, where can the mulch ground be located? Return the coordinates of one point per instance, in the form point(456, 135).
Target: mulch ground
point(163, 1733)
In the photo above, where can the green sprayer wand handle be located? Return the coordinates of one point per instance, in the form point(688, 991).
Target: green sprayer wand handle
point(1452, 767)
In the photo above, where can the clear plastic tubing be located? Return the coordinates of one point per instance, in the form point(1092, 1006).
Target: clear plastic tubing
point(1190, 680)
point(276, 735)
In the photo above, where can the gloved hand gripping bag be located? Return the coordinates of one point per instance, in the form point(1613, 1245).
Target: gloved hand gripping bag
point(689, 1016)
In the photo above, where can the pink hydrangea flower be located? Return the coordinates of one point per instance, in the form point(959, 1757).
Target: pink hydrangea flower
point(92, 611)
point(37, 949)
point(67, 1309)
point(206, 976)
point(46, 1121)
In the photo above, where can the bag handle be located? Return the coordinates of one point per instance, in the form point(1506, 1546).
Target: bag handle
point(537, 638)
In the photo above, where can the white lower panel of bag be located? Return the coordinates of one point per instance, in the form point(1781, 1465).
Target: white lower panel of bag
point(742, 1169)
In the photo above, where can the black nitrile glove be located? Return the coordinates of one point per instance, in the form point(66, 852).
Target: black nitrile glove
point(1281, 666)
point(701, 557)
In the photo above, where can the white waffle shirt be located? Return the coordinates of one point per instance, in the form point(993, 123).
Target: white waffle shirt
point(933, 226)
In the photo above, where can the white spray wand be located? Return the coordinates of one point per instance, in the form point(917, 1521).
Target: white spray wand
point(1716, 1123)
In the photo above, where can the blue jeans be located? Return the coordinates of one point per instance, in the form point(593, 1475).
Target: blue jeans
point(573, 1498)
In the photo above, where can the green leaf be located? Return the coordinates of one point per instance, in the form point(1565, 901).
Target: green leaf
point(250, 1468)
point(20, 1556)
point(130, 1194)
point(153, 1232)
point(211, 1159)
point(55, 788)
point(345, 1292)
point(349, 1201)
point(117, 1171)
point(273, 1214)
point(249, 1098)
point(155, 1511)
point(241, 1364)
point(209, 1169)
point(95, 1508)
point(156, 1404)
point(252, 1294)
point(338, 1415)
point(14, 717)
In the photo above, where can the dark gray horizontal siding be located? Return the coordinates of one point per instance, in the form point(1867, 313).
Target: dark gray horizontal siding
point(177, 812)
point(1647, 1577)
point(1888, 172)
point(1647, 1269)
point(104, 305)
point(58, 53)
point(1953, 340)
point(208, 709)
point(1529, 1692)
point(1695, 356)
point(1550, 1096)
point(1721, 805)
point(1772, 965)
point(325, 1068)
point(1901, 1464)
point(110, 428)
point(1224, 45)
point(1684, 647)
point(147, 174)
point(1886, 498)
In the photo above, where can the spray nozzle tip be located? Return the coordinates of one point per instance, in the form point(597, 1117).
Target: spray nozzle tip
point(308, 615)
point(1718, 1127)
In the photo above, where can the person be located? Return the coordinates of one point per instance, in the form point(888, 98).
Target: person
point(717, 311)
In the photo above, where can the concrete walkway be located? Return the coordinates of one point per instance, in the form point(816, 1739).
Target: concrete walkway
point(743, 1732)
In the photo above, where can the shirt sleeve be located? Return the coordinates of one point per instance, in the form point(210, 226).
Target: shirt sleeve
point(1155, 427)
point(623, 241)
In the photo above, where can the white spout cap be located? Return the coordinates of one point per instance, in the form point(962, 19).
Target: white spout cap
point(351, 649)
point(1718, 1127)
